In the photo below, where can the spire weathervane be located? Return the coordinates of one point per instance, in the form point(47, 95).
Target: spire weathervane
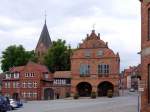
point(45, 16)
point(94, 26)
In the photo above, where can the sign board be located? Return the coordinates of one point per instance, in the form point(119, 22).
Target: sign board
point(141, 85)
point(141, 89)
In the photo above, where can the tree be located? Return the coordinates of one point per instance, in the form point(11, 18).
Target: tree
point(16, 56)
point(58, 56)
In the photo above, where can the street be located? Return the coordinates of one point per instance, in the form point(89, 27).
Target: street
point(127, 103)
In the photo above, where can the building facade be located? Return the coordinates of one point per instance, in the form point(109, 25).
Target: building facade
point(94, 67)
point(145, 54)
point(130, 77)
point(34, 82)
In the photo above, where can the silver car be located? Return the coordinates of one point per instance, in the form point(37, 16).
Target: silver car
point(13, 103)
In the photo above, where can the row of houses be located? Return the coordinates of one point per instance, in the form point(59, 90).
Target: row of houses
point(130, 77)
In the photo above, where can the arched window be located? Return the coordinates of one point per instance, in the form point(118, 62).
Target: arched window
point(84, 70)
point(103, 69)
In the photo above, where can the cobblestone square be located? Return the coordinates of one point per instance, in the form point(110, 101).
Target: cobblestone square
point(126, 103)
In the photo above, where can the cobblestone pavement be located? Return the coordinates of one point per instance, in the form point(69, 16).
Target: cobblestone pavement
point(126, 103)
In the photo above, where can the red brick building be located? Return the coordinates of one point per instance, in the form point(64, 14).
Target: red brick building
point(94, 67)
point(130, 77)
point(34, 82)
point(24, 81)
point(145, 53)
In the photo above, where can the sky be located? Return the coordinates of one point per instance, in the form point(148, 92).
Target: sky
point(117, 21)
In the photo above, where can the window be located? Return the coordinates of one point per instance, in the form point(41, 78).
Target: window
point(35, 84)
point(34, 95)
point(87, 53)
point(15, 84)
point(149, 83)
point(26, 74)
point(30, 85)
point(103, 69)
point(7, 95)
point(16, 75)
point(31, 74)
point(8, 76)
point(24, 85)
point(7, 84)
point(149, 24)
point(84, 70)
point(46, 76)
point(100, 53)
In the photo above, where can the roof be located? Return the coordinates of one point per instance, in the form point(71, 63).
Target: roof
point(62, 74)
point(37, 66)
point(29, 65)
point(45, 37)
point(16, 69)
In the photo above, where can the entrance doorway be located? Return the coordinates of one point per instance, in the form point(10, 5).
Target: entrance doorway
point(48, 94)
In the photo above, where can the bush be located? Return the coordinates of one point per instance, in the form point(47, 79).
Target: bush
point(93, 95)
point(76, 96)
point(109, 93)
point(67, 95)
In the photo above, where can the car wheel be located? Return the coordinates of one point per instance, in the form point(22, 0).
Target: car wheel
point(12, 108)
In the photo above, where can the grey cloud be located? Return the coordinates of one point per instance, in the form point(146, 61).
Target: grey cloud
point(26, 14)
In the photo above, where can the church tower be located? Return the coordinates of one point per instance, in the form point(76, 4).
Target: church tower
point(44, 43)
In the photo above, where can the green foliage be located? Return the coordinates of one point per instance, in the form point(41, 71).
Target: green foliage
point(76, 96)
point(16, 56)
point(110, 93)
point(93, 95)
point(58, 56)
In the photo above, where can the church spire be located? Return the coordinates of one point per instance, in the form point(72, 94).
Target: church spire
point(44, 41)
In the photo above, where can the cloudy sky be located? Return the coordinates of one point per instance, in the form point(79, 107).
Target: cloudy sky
point(118, 22)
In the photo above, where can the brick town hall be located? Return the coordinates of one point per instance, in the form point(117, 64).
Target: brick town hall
point(94, 68)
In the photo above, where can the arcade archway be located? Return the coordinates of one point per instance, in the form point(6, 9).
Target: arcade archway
point(104, 87)
point(84, 89)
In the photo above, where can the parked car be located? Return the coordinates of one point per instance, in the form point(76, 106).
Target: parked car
point(132, 90)
point(4, 104)
point(15, 104)
point(19, 103)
